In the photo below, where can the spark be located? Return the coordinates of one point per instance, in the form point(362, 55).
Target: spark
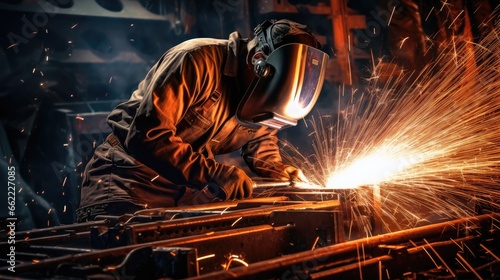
point(490, 252)
point(232, 225)
point(461, 264)
point(453, 22)
point(13, 45)
point(440, 258)
point(235, 258)
point(156, 177)
point(241, 261)
point(402, 42)
point(432, 259)
point(431, 146)
point(225, 209)
point(359, 263)
point(469, 266)
point(392, 13)
point(205, 257)
point(458, 245)
point(444, 4)
point(429, 14)
point(315, 243)
point(74, 25)
point(472, 253)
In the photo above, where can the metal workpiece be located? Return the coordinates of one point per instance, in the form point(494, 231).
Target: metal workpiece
point(226, 235)
point(261, 238)
point(226, 219)
point(429, 250)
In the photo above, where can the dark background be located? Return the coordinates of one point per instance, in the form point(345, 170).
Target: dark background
point(65, 64)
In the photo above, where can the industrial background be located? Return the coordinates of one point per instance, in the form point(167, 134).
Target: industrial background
point(65, 64)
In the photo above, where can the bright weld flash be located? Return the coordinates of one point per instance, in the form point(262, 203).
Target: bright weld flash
point(373, 169)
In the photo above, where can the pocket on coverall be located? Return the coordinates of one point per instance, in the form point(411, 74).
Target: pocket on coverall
point(193, 126)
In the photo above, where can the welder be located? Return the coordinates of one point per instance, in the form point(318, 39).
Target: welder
point(205, 97)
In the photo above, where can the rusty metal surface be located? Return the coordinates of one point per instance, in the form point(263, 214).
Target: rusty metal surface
point(429, 251)
point(247, 231)
point(264, 238)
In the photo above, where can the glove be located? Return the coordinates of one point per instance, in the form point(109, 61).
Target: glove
point(231, 183)
point(292, 174)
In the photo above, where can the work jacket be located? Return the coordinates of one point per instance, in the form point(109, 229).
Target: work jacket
point(183, 114)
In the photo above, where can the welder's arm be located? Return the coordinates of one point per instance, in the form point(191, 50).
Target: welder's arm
point(152, 138)
point(262, 156)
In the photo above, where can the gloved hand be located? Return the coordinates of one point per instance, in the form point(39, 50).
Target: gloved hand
point(292, 174)
point(231, 183)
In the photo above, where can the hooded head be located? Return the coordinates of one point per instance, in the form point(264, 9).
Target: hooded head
point(289, 69)
point(272, 34)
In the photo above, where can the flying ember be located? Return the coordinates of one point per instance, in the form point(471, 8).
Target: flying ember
point(429, 140)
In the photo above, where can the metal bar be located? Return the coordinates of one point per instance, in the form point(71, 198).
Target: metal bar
point(277, 267)
point(103, 257)
point(68, 239)
point(138, 232)
point(216, 205)
point(327, 274)
point(402, 261)
point(60, 229)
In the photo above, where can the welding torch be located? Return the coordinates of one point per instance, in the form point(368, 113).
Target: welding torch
point(277, 184)
point(272, 184)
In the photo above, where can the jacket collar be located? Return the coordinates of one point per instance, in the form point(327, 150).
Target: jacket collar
point(233, 48)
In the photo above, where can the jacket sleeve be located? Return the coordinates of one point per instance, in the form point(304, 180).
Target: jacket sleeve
point(152, 136)
point(261, 153)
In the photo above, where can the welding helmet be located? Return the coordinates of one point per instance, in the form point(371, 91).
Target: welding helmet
point(288, 77)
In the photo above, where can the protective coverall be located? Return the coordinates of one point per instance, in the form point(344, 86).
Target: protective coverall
point(161, 152)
